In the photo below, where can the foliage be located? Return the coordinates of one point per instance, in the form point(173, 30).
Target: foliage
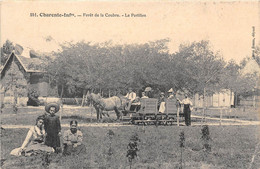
point(182, 145)
point(8, 48)
point(110, 136)
point(105, 67)
point(182, 139)
point(233, 79)
point(84, 66)
point(205, 137)
point(132, 148)
point(33, 98)
point(200, 67)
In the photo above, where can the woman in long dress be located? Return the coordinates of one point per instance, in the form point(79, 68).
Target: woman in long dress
point(34, 141)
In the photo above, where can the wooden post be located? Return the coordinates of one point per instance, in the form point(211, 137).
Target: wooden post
point(235, 114)
point(204, 114)
point(61, 112)
point(230, 102)
point(83, 98)
point(220, 121)
point(61, 95)
point(91, 115)
point(91, 107)
point(178, 116)
point(254, 99)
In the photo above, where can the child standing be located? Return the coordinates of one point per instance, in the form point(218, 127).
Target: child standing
point(52, 127)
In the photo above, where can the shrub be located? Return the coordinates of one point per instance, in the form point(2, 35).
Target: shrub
point(205, 137)
point(182, 145)
point(132, 148)
point(110, 136)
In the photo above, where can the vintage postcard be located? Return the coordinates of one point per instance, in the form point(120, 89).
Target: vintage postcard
point(130, 84)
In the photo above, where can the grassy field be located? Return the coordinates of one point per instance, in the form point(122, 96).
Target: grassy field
point(27, 116)
point(231, 147)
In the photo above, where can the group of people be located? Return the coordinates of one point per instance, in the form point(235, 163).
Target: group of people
point(186, 102)
point(45, 135)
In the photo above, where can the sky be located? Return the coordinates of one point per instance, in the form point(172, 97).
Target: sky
point(227, 25)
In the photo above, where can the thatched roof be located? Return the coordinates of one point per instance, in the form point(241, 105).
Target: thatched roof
point(29, 64)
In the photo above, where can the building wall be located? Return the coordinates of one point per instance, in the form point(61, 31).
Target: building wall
point(38, 83)
point(224, 98)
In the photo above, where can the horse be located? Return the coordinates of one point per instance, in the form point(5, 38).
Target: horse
point(107, 104)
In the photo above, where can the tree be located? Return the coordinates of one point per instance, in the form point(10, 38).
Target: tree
point(8, 48)
point(76, 68)
point(83, 66)
point(249, 74)
point(200, 68)
point(146, 64)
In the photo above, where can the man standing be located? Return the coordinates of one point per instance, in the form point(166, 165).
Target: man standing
point(187, 109)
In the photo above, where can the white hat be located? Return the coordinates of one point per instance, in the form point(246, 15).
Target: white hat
point(147, 89)
point(171, 90)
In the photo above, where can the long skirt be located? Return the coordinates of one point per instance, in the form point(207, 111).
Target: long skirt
point(70, 150)
point(31, 149)
point(162, 107)
point(52, 140)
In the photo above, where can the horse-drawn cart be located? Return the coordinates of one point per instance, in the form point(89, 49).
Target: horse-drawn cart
point(146, 112)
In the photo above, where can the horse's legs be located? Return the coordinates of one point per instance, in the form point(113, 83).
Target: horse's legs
point(101, 113)
point(97, 111)
point(117, 113)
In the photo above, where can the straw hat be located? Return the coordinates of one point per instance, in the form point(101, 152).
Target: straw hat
point(48, 106)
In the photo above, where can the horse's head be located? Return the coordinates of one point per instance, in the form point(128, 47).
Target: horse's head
point(124, 101)
point(89, 99)
point(92, 97)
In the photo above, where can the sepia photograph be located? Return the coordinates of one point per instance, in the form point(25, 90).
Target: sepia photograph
point(130, 84)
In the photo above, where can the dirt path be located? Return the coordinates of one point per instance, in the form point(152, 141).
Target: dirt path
point(213, 122)
point(67, 125)
point(225, 122)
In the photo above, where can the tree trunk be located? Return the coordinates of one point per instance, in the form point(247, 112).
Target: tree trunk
point(83, 98)
point(204, 98)
point(230, 98)
point(61, 95)
point(2, 100)
point(235, 95)
point(15, 107)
